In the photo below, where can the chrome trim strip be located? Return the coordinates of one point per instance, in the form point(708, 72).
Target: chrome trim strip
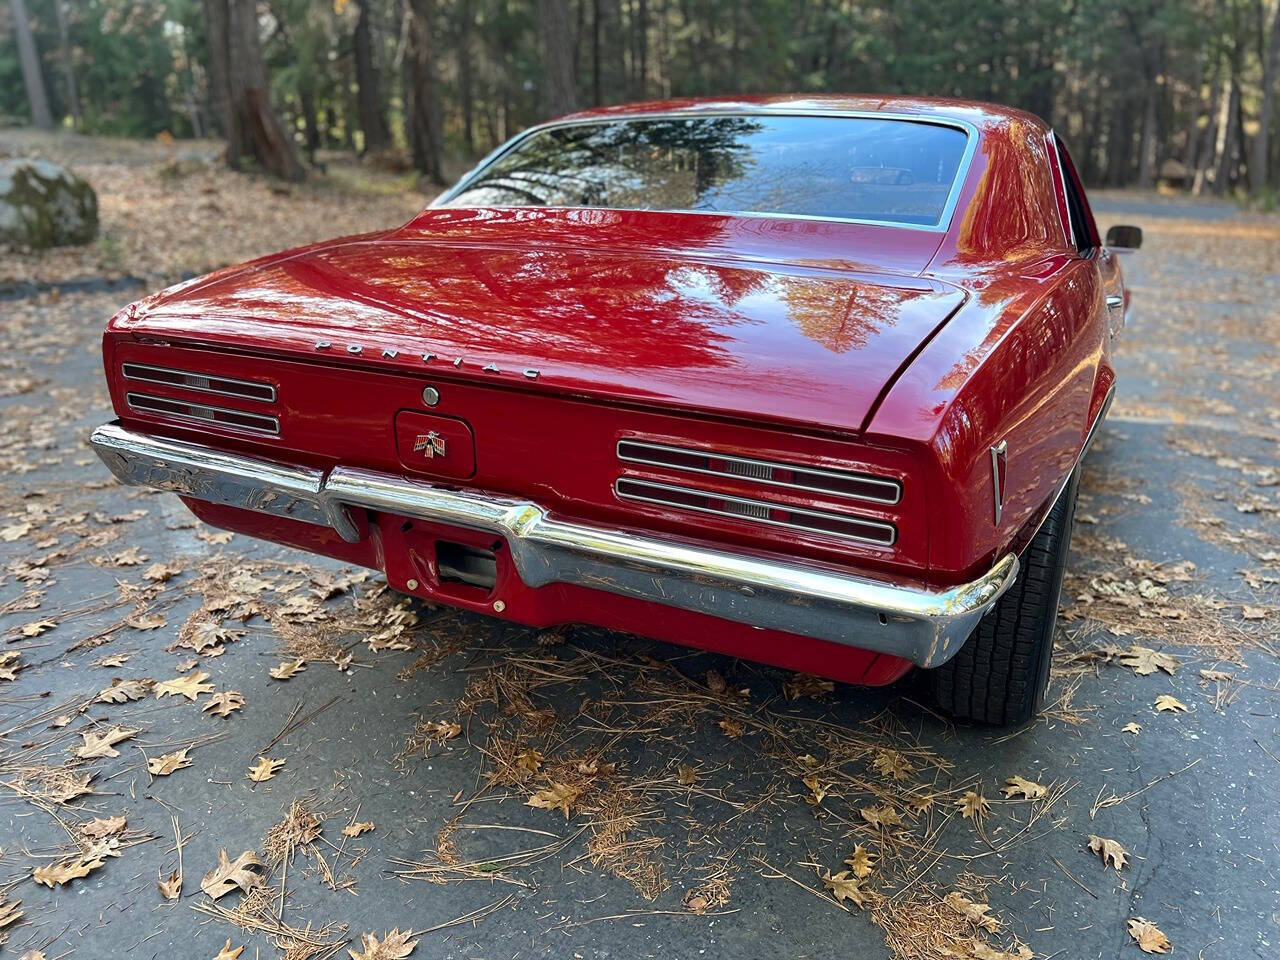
point(894, 486)
point(128, 365)
point(925, 625)
point(852, 519)
point(941, 226)
point(271, 427)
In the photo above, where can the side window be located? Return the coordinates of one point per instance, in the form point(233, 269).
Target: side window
point(1081, 222)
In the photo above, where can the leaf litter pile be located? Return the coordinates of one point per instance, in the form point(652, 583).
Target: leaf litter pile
point(154, 671)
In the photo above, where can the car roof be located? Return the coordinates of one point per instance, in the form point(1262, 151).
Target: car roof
point(972, 111)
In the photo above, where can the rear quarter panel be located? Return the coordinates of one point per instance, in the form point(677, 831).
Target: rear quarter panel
point(1024, 362)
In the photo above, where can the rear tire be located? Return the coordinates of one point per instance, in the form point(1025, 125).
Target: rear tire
point(1001, 673)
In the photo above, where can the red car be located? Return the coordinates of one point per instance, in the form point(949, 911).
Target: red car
point(680, 370)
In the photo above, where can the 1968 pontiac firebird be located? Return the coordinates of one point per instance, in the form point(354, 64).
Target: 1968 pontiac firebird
point(803, 380)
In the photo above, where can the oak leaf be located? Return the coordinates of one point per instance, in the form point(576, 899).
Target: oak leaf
point(164, 765)
point(230, 874)
point(224, 702)
point(1029, 790)
point(559, 796)
point(204, 634)
point(1131, 727)
point(145, 621)
point(891, 763)
point(37, 628)
point(973, 806)
point(287, 669)
point(530, 760)
point(161, 572)
point(918, 803)
point(1109, 850)
point(115, 660)
point(102, 744)
point(1145, 661)
point(686, 775)
point(123, 691)
point(976, 913)
point(226, 953)
point(9, 665)
point(804, 685)
point(393, 946)
point(817, 793)
point(171, 887)
point(357, 828)
point(862, 862)
point(57, 874)
point(844, 887)
point(1148, 937)
point(191, 686)
point(715, 682)
point(441, 730)
point(1170, 703)
point(98, 827)
point(882, 816)
point(264, 769)
point(732, 728)
point(9, 912)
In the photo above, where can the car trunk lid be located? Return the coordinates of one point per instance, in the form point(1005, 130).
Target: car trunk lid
point(630, 311)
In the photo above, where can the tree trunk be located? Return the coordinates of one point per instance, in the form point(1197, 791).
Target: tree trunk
point(30, 60)
point(253, 130)
point(466, 21)
point(422, 94)
point(1226, 133)
point(1147, 147)
point(215, 19)
point(68, 68)
point(372, 120)
point(556, 26)
point(1258, 172)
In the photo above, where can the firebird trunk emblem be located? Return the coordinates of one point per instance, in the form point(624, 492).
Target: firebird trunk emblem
point(430, 445)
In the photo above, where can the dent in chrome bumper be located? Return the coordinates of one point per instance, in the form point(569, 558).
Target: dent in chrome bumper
point(922, 625)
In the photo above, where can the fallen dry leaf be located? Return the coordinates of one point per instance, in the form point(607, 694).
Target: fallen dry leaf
point(1131, 727)
point(191, 686)
point(37, 628)
point(844, 887)
point(732, 728)
point(973, 806)
point(1170, 703)
point(1027, 789)
point(264, 769)
point(9, 912)
point(882, 816)
point(124, 690)
point(171, 887)
point(357, 828)
point(817, 793)
point(559, 796)
point(441, 730)
point(57, 874)
point(1145, 661)
point(226, 953)
point(393, 946)
point(530, 760)
point(1148, 937)
point(164, 765)
point(161, 572)
point(1109, 850)
point(9, 665)
point(804, 685)
point(891, 763)
point(861, 863)
point(224, 702)
point(686, 775)
point(287, 669)
point(230, 874)
point(976, 913)
point(98, 827)
point(102, 744)
point(145, 621)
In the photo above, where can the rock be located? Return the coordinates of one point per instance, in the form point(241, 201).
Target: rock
point(44, 205)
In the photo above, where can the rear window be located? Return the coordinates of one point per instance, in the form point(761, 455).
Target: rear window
point(854, 168)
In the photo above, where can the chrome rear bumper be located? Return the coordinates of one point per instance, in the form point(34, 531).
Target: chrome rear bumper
point(922, 625)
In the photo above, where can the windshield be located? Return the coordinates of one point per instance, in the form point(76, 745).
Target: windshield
point(855, 168)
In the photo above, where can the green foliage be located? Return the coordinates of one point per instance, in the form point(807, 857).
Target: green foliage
point(1094, 68)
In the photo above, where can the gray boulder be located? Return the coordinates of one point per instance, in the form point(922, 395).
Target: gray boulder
point(44, 205)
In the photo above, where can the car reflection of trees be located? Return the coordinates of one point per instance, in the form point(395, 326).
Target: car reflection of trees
point(598, 165)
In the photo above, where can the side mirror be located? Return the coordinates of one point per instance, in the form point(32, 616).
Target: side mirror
point(1122, 238)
